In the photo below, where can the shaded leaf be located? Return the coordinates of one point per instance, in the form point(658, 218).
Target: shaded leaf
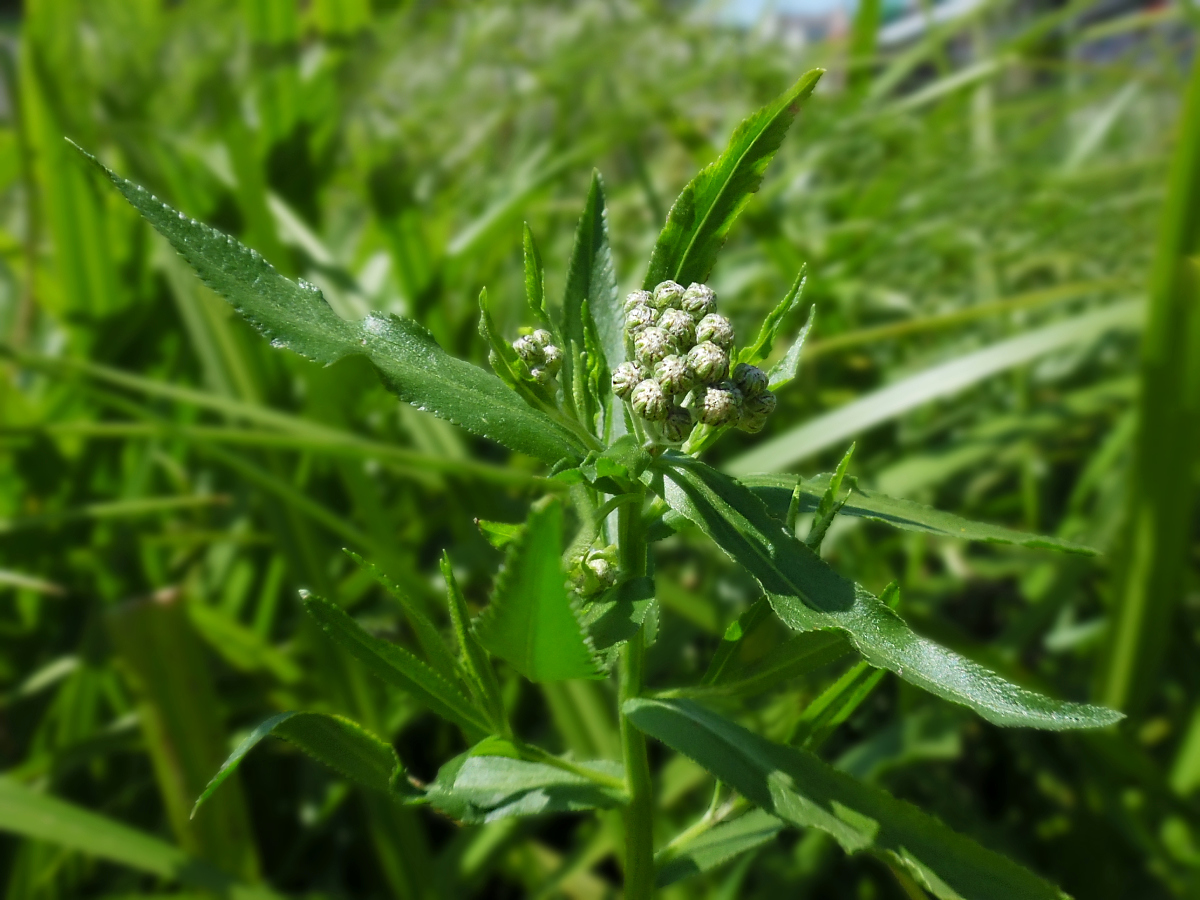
point(397, 666)
point(835, 705)
point(807, 594)
point(700, 219)
point(334, 741)
point(719, 845)
point(801, 789)
point(294, 315)
point(531, 622)
point(478, 667)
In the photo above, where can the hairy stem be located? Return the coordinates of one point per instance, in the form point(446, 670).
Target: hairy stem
point(639, 814)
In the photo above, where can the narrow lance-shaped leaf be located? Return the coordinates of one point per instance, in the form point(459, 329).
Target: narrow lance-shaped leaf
point(506, 364)
point(532, 622)
point(397, 666)
point(334, 741)
point(718, 846)
point(700, 219)
point(801, 789)
point(807, 594)
point(294, 315)
point(535, 279)
point(830, 504)
point(478, 667)
point(784, 371)
point(776, 491)
point(769, 330)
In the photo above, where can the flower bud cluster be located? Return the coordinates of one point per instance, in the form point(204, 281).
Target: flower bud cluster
point(539, 354)
point(595, 571)
point(678, 373)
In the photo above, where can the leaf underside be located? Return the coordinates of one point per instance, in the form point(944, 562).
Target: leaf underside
point(801, 789)
point(807, 594)
point(294, 315)
point(531, 622)
point(700, 219)
point(720, 845)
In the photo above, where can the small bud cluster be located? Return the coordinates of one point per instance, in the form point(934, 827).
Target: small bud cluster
point(538, 352)
point(595, 571)
point(679, 371)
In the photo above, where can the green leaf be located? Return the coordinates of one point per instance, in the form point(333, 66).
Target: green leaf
point(776, 492)
point(785, 370)
point(295, 316)
point(835, 705)
point(397, 666)
point(616, 615)
point(334, 741)
point(807, 595)
point(700, 219)
point(40, 817)
point(426, 632)
point(769, 330)
point(478, 667)
point(506, 364)
point(801, 789)
point(830, 504)
point(486, 788)
point(532, 622)
point(590, 278)
point(719, 845)
point(498, 534)
point(799, 655)
point(535, 280)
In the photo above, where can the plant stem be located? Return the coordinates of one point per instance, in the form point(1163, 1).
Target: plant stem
point(639, 814)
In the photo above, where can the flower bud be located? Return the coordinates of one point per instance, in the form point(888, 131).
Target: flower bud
point(637, 298)
point(652, 344)
point(639, 317)
point(679, 326)
point(542, 337)
point(604, 571)
point(553, 359)
point(698, 301)
point(750, 380)
point(541, 375)
point(678, 424)
point(709, 362)
point(626, 377)
point(762, 405)
point(675, 375)
point(719, 404)
point(668, 295)
point(649, 401)
point(529, 350)
point(716, 328)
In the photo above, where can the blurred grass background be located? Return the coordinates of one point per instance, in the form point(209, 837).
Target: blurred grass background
point(998, 204)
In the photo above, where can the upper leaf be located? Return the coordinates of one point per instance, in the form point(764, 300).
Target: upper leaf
point(342, 745)
point(296, 316)
point(700, 219)
point(532, 622)
point(799, 788)
point(807, 594)
point(769, 330)
point(776, 491)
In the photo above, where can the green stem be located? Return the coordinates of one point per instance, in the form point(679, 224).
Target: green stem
point(639, 814)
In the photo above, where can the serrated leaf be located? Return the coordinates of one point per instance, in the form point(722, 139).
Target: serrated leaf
point(830, 504)
point(294, 315)
point(590, 278)
point(506, 364)
point(617, 614)
point(498, 534)
point(776, 492)
point(700, 219)
point(475, 788)
point(531, 622)
point(718, 846)
point(808, 595)
point(535, 279)
point(769, 330)
point(335, 742)
point(478, 667)
point(397, 666)
point(785, 370)
point(801, 789)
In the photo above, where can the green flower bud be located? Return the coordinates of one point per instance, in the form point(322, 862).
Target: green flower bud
point(679, 326)
point(603, 571)
point(668, 295)
point(709, 362)
point(716, 328)
point(541, 375)
point(678, 424)
point(762, 405)
point(543, 337)
point(553, 359)
point(675, 375)
point(529, 350)
point(652, 344)
point(649, 401)
point(751, 380)
point(638, 298)
point(698, 301)
point(638, 318)
point(626, 377)
point(717, 405)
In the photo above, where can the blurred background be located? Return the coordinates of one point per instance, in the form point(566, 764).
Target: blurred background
point(983, 192)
